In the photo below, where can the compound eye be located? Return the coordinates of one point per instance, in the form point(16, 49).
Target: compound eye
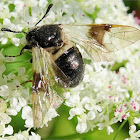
point(28, 37)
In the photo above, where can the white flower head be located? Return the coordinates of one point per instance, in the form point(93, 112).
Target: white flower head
point(27, 116)
point(81, 127)
point(107, 87)
point(136, 120)
point(34, 136)
point(50, 114)
point(134, 135)
point(109, 130)
point(121, 113)
point(8, 130)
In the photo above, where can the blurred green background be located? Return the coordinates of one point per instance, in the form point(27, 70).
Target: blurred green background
point(133, 5)
point(62, 128)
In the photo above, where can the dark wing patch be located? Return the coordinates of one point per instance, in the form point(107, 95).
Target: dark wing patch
point(98, 32)
point(114, 37)
point(44, 96)
point(100, 40)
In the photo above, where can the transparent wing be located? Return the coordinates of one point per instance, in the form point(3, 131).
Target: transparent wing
point(44, 96)
point(100, 40)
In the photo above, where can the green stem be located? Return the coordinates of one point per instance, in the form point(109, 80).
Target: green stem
point(121, 126)
point(130, 121)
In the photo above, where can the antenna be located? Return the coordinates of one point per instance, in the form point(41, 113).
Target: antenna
point(48, 9)
point(8, 30)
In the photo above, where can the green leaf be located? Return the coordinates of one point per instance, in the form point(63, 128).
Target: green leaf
point(117, 65)
point(11, 7)
point(94, 15)
point(15, 123)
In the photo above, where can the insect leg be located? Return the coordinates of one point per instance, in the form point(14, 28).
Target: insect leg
point(26, 82)
point(25, 47)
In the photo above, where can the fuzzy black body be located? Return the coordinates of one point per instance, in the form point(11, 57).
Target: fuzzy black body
point(72, 65)
point(66, 57)
point(45, 36)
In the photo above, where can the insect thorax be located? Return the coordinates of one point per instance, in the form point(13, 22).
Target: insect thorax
point(45, 36)
point(63, 52)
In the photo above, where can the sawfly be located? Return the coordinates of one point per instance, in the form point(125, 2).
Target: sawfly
point(56, 57)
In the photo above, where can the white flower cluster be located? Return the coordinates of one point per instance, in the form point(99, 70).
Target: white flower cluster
point(102, 91)
point(24, 135)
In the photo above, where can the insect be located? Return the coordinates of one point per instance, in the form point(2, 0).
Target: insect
point(56, 57)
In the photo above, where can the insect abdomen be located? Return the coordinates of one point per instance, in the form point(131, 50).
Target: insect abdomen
point(72, 65)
